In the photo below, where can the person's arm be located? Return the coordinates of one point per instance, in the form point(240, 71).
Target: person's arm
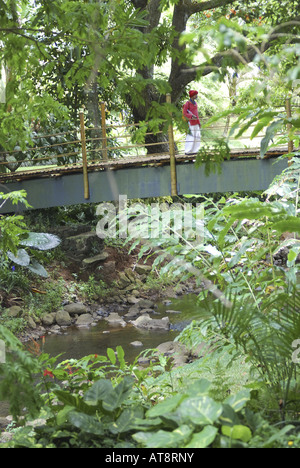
point(187, 113)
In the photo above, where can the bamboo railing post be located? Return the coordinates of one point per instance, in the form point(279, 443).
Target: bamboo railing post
point(84, 157)
point(174, 191)
point(288, 110)
point(104, 136)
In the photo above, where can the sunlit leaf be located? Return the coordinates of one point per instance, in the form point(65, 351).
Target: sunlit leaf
point(41, 241)
point(239, 432)
point(22, 258)
point(37, 268)
point(203, 438)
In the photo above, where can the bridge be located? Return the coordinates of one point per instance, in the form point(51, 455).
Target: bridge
point(143, 179)
point(78, 178)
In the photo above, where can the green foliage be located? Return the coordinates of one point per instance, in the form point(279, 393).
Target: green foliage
point(121, 54)
point(213, 156)
point(60, 71)
point(92, 289)
point(84, 408)
point(50, 301)
point(13, 233)
point(101, 401)
point(18, 376)
point(254, 302)
point(12, 227)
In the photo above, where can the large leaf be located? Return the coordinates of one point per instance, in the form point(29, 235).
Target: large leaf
point(270, 133)
point(37, 268)
point(111, 398)
point(200, 411)
point(204, 438)
point(120, 393)
point(199, 388)
point(166, 406)
point(164, 439)
point(239, 432)
point(111, 355)
point(98, 391)
point(41, 241)
point(238, 401)
point(86, 423)
point(126, 421)
point(243, 249)
point(278, 436)
point(263, 122)
point(290, 224)
point(254, 209)
point(22, 258)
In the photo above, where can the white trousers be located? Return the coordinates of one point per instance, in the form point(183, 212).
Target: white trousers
point(193, 139)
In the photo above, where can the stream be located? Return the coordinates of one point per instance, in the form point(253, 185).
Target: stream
point(79, 342)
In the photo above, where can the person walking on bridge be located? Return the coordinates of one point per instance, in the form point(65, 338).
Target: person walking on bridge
point(190, 112)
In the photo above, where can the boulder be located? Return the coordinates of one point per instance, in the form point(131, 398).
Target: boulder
point(132, 312)
point(14, 311)
point(171, 347)
point(132, 300)
point(136, 344)
point(143, 269)
point(130, 275)
point(147, 311)
point(135, 293)
point(82, 245)
point(84, 320)
point(167, 302)
point(146, 322)
point(145, 304)
point(55, 330)
point(6, 437)
point(87, 262)
point(48, 319)
point(177, 351)
point(31, 323)
point(115, 319)
point(76, 308)
point(123, 280)
point(63, 318)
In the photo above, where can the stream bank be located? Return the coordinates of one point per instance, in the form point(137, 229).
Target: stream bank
point(102, 286)
point(128, 305)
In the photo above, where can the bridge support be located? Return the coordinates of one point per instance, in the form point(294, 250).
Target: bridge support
point(84, 158)
point(174, 190)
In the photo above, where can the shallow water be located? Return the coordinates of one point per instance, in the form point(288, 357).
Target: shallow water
point(79, 342)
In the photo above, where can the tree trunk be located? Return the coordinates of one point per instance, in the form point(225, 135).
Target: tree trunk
point(177, 79)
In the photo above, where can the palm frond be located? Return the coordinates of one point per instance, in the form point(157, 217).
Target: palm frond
point(266, 337)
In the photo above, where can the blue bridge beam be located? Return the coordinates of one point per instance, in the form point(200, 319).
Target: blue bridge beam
point(144, 182)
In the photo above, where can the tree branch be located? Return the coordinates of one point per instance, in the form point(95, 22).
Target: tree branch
point(195, 7)
point(251, 52)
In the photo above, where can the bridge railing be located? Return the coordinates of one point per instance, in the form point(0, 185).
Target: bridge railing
point(85, 146)
point(110, 143)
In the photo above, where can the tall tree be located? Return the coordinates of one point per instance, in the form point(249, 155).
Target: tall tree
point(169, 43)
point(67, 53)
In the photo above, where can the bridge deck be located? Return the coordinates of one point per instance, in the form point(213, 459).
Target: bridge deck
point(141, 178)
